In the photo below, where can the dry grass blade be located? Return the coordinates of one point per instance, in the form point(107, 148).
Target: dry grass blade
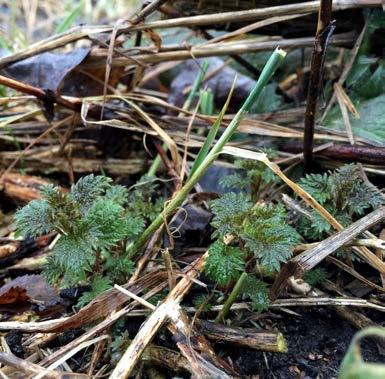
point(344, 111)
point(97, 58)
point(71, 353)
point(346, 70)
point(251, 27)
point(29, 368)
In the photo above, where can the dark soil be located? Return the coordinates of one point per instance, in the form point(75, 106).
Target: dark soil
point(317, 342)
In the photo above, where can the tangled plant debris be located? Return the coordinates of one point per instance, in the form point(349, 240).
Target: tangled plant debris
point(165, 209)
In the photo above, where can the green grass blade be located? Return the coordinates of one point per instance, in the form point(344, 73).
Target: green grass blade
point(196, 85)
point(212, 133)
point(70, 19)
point(267, 72)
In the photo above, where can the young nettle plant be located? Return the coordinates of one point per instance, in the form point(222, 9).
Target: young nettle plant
point(95, 220)
point(343, 193)
point(256, 177)
point(261, 239)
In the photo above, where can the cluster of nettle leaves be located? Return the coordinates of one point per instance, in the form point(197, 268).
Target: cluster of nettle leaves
point(96, 220)
point(261, 234)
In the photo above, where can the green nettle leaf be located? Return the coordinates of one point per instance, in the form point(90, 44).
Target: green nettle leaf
point(343, 193)
point(252, 172)
point(118, 194)
point(229, 213)
point(364, 197)
point(119, 268)
point(133, 225)
point(224, 263)
point(258, 293)
point(74, 256)
point(106, 223)
point(267, 234)
point(34, 219)
point(88, 188)
point(314, 229)
point(319, 186)
point(91, 220)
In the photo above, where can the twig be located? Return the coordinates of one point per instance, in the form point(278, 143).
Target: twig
point(315, 81)
point(31, 368)
point(310, 258)
point(253, 14)
point(259, 340)
point(168, 264)
point(346, 153)
point(146, 11)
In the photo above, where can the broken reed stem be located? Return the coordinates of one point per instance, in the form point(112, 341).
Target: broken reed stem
point(347, 153)
point(42, 95)
point(316, 71)
point(231, 299)
point(267, 72)
point(258, 340)
point(310, 258)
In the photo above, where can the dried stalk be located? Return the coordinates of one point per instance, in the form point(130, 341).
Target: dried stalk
point(29, 368)
point(97, 59)
point(315, 81)
point(259, 340)
point(310, 258)
point(346, 153)
point(253, 14)
point(346, 70)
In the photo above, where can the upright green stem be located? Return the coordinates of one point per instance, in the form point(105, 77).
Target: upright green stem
point(268, 71)
point(232, 297)
point(198, 81)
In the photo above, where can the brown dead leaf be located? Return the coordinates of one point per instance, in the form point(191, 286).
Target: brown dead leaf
point(28, 288)
point(47, 70)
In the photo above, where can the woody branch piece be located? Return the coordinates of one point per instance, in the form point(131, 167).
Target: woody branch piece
point(341, 152)
point(48, 98)
point(316, 70)
point(310, 258)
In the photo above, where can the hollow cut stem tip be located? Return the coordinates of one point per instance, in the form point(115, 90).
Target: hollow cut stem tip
point(281, 52)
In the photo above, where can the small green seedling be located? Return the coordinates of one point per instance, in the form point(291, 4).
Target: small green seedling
point(353, 366)
point(95, 221)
